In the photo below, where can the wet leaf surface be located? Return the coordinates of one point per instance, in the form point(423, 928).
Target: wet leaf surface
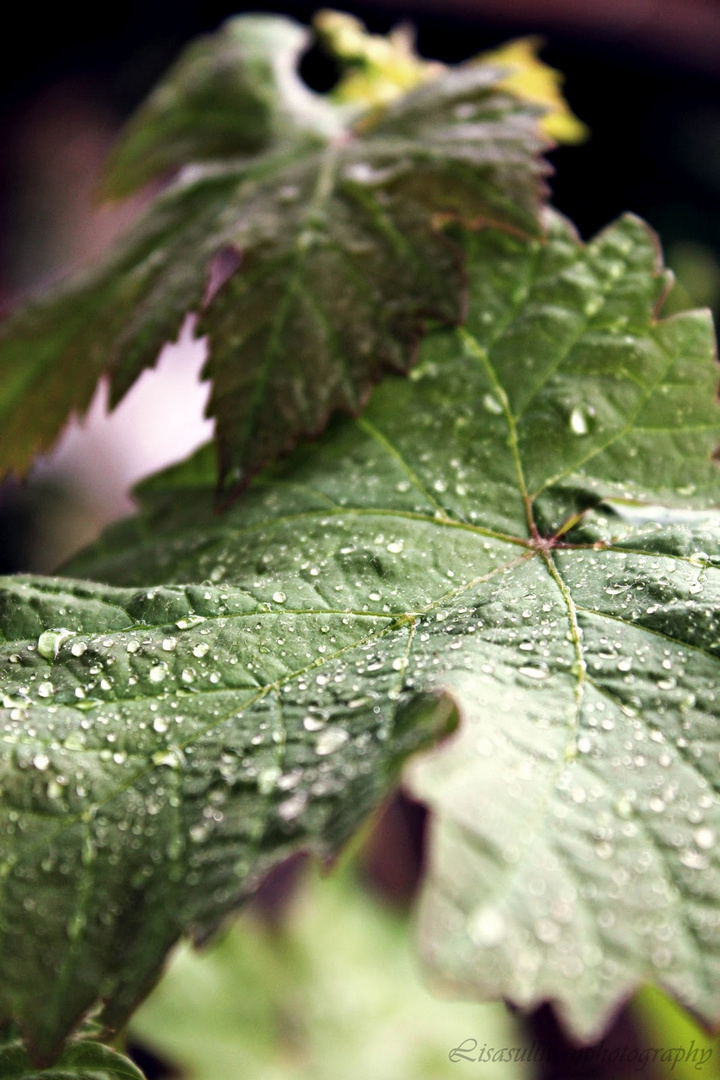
point(524, 528)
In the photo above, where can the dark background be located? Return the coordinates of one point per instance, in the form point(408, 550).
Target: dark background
point(643, 74)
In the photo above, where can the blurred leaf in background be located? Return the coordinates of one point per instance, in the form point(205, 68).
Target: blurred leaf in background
point(697, 272)
point(530, 79)
point(665, 1024)
point(334, 993)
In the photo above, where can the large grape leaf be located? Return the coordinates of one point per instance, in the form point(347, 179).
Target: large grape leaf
point(308, 235)
point(523, 532)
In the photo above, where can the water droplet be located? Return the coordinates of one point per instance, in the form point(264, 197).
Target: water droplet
point(279, 597)
point(487, 927)
point(267, 779)
point(547, 931)
point(157, 673)
point(705, 838)
point(313, 723)
point(693, 859)
point(201, 649)
point(49, 642)
point(331, 740)
point(578, 422)
point(172, 758)
point(292, 807)
point(624, 806)
point(492, 405)
point(534, 672)
point(188, 621)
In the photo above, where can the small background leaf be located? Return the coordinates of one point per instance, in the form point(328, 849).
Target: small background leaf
point(335, 992)
point(533, 80)
point(378, 69)
point(667, 1026)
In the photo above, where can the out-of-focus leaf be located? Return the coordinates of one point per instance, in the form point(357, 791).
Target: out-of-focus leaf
point(234, 92)
point(674, 1046)
point(533, 80)
point(82, 1059)
point(378, 69)
point(333, 993)
point(311, 243)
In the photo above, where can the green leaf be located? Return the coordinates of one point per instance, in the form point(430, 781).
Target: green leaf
point(525, 529)
point(686, 1048)
point(335, 993)
point(160, 753)
point(233, 92)
point(314, 252)
point(80, 1060)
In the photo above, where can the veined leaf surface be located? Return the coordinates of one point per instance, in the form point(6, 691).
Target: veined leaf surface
point(523, 532)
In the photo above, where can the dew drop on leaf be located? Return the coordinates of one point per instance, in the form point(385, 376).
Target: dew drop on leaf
point(331, 740)
point(579, 421)
point(49, 642)
point(487, 927)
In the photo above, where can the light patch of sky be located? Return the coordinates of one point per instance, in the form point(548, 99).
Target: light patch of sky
point(160, 421)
